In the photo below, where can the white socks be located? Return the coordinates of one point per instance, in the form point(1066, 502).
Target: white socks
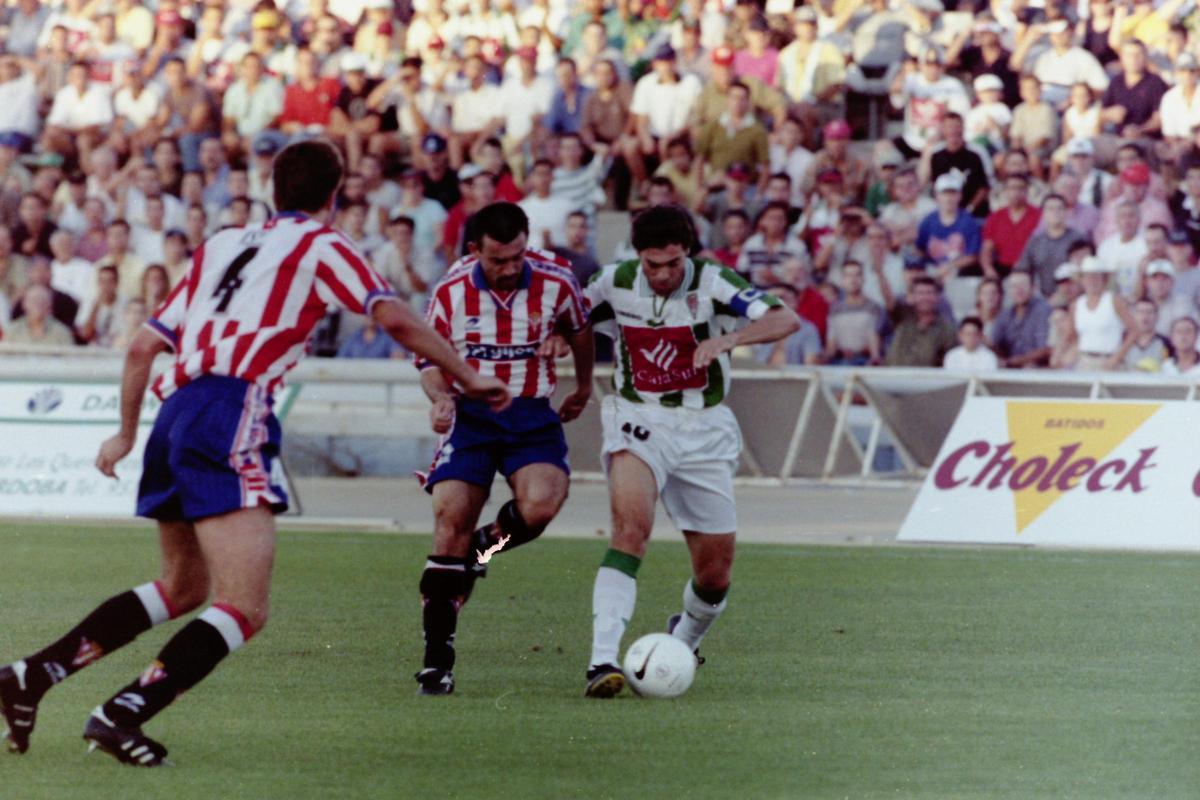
point(613, 599)
point(698, 617)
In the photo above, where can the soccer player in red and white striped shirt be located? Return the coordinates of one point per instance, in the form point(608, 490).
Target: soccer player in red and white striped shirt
point(237, 323)
point(500, 308)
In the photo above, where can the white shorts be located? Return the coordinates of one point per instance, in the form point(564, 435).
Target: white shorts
point(693, 454)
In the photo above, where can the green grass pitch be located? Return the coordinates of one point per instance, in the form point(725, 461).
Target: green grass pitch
point(837, 672)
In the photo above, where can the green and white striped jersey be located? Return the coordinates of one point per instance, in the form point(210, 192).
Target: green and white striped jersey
point(656, 337)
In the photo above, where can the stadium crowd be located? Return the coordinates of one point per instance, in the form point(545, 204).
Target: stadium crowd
point(1009, 184)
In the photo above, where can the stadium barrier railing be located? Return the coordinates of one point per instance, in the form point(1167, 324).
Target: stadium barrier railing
point(798, 423)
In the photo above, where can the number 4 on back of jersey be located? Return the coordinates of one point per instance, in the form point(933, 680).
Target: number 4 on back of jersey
point(231, 281)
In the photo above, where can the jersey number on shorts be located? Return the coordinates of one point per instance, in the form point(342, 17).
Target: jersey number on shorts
point(231, 281)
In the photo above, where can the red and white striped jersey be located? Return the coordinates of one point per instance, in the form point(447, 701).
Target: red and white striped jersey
point(253, 295)
point(499, 335)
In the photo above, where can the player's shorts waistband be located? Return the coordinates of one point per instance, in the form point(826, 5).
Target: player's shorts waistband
point(525, 413)
point(211, 386)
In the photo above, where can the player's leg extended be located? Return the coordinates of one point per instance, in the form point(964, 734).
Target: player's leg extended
point(239, 552)
point(447, 580)
point(539, 491)
point(633, 494)
point(116, 622)
point(704, 594)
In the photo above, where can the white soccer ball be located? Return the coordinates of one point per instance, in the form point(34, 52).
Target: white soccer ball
point(659, 665)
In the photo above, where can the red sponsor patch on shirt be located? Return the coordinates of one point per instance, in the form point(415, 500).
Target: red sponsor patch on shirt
point(661, 359)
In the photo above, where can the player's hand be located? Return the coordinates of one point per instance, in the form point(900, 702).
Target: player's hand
point(441, 415)
point(112, 451)
point(555, 346)
point(574, 404)
point(489, 390)
point(709, 349)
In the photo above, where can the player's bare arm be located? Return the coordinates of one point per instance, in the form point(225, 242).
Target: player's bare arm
point(441, 412)
point(776, 324)
point(134, 379)
point(403, 325)
point(583, 350)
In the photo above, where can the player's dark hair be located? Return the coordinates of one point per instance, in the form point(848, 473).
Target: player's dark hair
point(500, 222)
point(306, 175)
point(662, 226)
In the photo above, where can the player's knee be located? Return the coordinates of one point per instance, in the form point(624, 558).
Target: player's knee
point(538, 511)
point(184, 593)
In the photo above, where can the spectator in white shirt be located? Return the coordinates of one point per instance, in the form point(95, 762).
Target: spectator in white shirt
point(79, 116)
point(661, 105)
point(547, 212)
point(1186, 360)
point(1122, 252)
point(136, 107)
point(146, 240)
point(405, 268)
point(1179, 109)
point(18, 101)
point(475, 113)
point(251, 105)
point(525, 99)
point(971, 355)
point(69, 273)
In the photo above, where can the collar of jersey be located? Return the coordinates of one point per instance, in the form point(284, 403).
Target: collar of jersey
point(480, 280)
point(689, 271)
point(299, 216)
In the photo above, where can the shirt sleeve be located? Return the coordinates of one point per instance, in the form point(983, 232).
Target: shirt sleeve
point(437, 316)
point(740, 297)
point(167, 321)
point(345, 279)
point(574, 308)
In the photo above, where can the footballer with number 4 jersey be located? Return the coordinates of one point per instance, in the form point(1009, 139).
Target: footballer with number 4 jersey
point(237, 323)
point(503, 308)
point(667, 433)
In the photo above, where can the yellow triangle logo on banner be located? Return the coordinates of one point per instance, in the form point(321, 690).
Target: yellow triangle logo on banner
point(1042, 430)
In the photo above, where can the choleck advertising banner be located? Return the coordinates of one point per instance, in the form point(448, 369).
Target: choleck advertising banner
point(1097, 474)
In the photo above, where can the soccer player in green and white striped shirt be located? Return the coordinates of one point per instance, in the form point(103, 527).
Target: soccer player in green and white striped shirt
point(667, 433)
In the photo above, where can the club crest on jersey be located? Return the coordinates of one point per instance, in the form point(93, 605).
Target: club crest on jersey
point(693, 304)
point(535, 320)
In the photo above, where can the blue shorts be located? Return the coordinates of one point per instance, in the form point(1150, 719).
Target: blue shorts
point(483, 442)
point(211, 452)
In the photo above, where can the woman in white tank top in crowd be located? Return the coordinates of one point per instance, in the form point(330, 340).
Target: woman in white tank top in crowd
point(1101, 318)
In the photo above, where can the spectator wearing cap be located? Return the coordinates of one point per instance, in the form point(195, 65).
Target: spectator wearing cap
point(733, 195)
point(19, 118)
point(441, 183)
point(377, 22)
point(1160, 289)
point(713, 100)
point(978, 51)
point(926, 94)
point(662, 103)
point(278, 56)
point(525, 100)
point(1185, 360)
point(418, 111)
point(1007, 230)
point(1181, 254)
point(1021, 331)
point(1179, 109)
point(988, 120)
point(950, 239)
point(79, 116)
point(169, 40)
point(736, 136)
point(811, 71)
point(1135, 190)
point(1063, 65)
point(954, 153)
point(309, 100)
point(352, 123)
point(835, 155)
point(475, 112)
point(251, 105)
point(1132, 99)
point(757, 59)
point(1094, 182)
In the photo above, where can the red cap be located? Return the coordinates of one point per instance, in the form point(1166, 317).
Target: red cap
point(829, 176)
point(385, 28)
point(1137, 174)
point(837, 129)
point(168, 18)
point(723, 56)
point(527, 53)
point(436, 43)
